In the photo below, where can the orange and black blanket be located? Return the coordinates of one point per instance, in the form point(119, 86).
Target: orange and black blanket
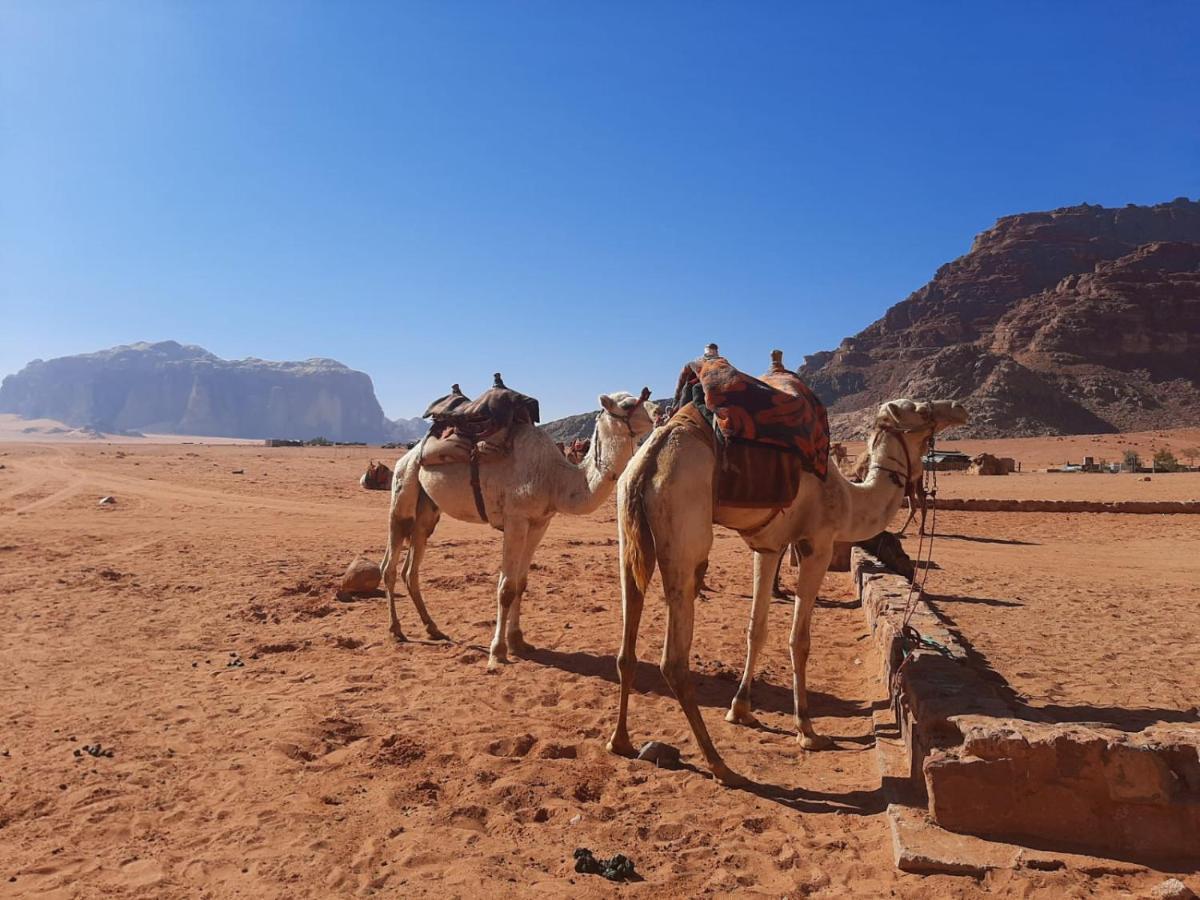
point(776, 413)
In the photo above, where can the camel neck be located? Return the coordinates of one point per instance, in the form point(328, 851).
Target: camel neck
point(875, 500)
point(612, 448)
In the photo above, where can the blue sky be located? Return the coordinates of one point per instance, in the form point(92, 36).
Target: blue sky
point(578, 195)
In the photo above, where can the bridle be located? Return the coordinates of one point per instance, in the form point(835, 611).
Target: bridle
point(907, 480)
point(626, 420)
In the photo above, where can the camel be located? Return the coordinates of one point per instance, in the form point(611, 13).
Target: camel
point(666, 513)
point(378, 476)
point(577, 451)
point(522, 492)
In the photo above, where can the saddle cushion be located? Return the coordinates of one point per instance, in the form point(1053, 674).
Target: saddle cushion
point(452, 447)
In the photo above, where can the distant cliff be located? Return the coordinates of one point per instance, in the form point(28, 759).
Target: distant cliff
point(1078, 320)
point(175, 388)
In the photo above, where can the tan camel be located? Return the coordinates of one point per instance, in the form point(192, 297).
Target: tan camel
point(666, 514)
point(378, 476)
point(522, 492)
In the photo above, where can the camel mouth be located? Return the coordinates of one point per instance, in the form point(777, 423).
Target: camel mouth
point(951, 414)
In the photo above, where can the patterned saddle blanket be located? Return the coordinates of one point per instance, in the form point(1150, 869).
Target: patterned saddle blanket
point(777, 412)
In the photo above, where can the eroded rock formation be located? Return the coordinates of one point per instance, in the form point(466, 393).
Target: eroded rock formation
point(1079, 320)
point(182, 389)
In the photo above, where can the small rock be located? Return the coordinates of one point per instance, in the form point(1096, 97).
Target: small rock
point(239, 471)
point(576, 819)
point(664, 756)
point(107, 501)
point(362, 576)
point(1173, 889)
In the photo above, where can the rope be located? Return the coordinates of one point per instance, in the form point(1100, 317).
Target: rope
point(910, 637)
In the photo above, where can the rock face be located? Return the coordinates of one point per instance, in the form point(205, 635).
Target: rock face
point(1079, 320)
point(580, 426)
point(182, 389)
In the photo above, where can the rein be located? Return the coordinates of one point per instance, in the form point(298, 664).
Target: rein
point(921, 492)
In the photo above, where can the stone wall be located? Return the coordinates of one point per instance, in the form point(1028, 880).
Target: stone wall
point(986, 771)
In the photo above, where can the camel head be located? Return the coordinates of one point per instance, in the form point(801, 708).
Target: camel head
point(914, 423)
point(921, 415)
point(629, 409)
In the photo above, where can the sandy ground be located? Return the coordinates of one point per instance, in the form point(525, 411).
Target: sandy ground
point(270, 741)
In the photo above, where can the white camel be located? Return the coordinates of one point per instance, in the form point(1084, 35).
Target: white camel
point(666, 513)
point(522, 492)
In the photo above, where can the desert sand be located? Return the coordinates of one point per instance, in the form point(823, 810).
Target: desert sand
point(269, 740)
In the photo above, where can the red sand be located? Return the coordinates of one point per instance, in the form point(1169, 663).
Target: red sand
point(335, 763)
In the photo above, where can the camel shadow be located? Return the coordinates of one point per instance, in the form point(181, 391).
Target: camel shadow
point(986, 540)
point(713, 691)
point(982, 601)
point(853, 803)
point(839, 604)
point(1130, 719)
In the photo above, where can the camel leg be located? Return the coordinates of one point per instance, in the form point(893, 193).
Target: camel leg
point(812, 572)
point(632, 601)
point(427, 519)
point(516, 640)
point(677, 648)
point(515, 533)
point(777, 591)
point(766, 568)
point(399, 531)
point(402, 515)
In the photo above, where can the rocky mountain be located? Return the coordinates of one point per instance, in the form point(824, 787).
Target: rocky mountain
point(569, 428)
point(183, 389)
point(581, 425)
point(1080, 320)
point(408, 429)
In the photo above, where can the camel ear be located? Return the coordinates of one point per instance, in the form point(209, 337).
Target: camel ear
point(609, 404)
point(903, 415)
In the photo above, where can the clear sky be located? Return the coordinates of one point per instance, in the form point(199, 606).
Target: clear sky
point(580, 195)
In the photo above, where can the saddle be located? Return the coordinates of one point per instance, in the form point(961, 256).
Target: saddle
point(462, 427)
point(475, 431)
point(766, 431)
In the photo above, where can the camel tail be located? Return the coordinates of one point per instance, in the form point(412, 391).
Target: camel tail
point(406, 493)
point(637, 544)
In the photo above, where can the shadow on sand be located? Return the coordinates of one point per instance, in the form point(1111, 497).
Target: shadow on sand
point(1120, 718)
point(712, 691)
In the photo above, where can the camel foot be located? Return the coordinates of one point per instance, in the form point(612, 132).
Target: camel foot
point(741, 715)
point(495, 661)
point(520, 646)
point(621, 746)
point(814, 741)
point(436, 634)
point(727, 776)
point(398, 634)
